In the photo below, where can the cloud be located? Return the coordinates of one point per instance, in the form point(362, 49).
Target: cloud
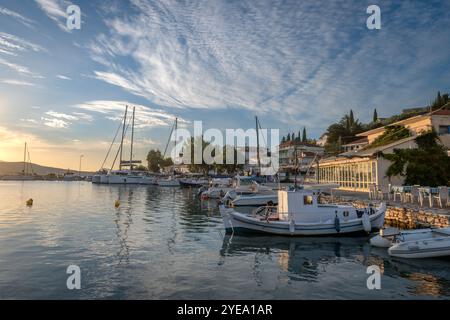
point(145, 116)
point(19, 69)
point(62, 77)
point(14, 44)
point(18, 82)
point(299, 61)
point(62, 120)
point(55, 10)
point(22, 19)
point(55, 123)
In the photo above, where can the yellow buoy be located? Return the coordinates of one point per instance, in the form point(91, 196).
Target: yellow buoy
point(117, 204)
point(29, 202)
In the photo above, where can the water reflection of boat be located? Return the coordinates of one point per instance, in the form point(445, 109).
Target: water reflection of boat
point(303, 258)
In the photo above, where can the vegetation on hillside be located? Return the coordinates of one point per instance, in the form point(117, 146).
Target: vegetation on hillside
point(427, 165)
point(348, 127)
point(393, 133)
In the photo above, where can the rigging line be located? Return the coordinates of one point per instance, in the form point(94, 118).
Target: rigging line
point(30, 164)
point(118, 150)
point(112, 143)
point(170, 136)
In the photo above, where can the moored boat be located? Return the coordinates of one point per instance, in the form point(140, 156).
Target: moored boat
point(299, 214)
point(419, 243)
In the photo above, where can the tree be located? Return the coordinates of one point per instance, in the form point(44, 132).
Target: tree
point(375, 116)
point(440, 101)
point(299, 136)
point(304, 139)
point(427, 165)
point(283, 140)
point(156, 161)
point(288, 137)
point(342, 132)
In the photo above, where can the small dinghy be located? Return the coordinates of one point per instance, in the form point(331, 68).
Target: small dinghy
point(419, 243)
point(299, 214)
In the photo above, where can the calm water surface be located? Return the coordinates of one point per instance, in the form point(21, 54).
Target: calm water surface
point(163, 243)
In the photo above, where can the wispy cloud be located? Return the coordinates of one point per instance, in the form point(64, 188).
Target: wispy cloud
point(17, 82)
point(22, 19)
point(13, 44)
point(55, 10)
point(19, 69)
point(292, 59)
point(62, 120)
point(55, 123)
point(145, 116)
point(62, 77)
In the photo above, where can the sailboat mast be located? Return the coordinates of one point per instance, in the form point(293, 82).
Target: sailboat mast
point(176, 127)
point(123, 135)
point(132, 137)
point(24, 158)
point(257, 145)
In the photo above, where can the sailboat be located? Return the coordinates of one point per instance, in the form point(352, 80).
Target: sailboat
point(170, 181)
point(124, 176)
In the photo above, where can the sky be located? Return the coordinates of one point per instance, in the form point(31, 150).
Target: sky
point(293, 64)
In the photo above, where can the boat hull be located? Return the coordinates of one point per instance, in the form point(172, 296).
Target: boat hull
point(168, 183)
point(238, 222)
point(428, 248)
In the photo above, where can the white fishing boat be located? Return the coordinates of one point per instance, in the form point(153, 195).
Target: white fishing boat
point(217, 189)
point(299, 214)
point(419, 243)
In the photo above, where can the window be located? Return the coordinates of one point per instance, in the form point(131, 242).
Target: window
point(444, 129)
point(307, 200)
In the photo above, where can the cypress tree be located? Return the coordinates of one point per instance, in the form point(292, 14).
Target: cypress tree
point(304, 135)
point(375, 116)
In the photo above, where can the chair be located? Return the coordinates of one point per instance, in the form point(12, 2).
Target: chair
point(375, 193)
point(398, 191)
point(411, 194)
point(424, 193)
point(440, 194)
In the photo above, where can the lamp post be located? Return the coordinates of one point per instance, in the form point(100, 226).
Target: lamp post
point(79, 168)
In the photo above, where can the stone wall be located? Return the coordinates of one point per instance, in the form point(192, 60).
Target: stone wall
point(404, 216)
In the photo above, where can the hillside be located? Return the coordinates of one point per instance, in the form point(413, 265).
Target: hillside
point(14, 168)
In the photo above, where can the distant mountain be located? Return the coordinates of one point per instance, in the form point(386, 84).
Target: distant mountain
point(15, 168)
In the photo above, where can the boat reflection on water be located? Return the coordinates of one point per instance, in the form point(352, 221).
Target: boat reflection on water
point(309, 259)
point(429, 277)
point(302, 258)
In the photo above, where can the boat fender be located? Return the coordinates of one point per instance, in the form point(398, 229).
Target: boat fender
point(29, 202)
point(366, 222)
point(117, 204)
point(379, 241)
point(337, 224)
point(292, 225)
